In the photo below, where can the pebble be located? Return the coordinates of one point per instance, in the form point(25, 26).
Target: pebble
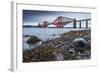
point(59, 57)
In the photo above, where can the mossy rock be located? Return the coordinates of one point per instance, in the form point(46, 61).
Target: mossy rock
point(33, 40)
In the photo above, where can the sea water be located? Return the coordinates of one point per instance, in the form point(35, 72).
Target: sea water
point(46, 33)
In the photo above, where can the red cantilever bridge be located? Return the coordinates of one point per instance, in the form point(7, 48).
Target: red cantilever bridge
point(61, 21)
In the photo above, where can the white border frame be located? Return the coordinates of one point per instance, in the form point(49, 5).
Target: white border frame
point(16, 60)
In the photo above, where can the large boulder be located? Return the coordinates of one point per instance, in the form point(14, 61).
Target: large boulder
point(80, 42)
point(33, 41)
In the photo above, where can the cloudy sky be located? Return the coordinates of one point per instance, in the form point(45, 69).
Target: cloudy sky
point(33, 17)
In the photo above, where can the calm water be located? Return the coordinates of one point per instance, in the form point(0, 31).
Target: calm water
point(45, 33)
point(42, 33)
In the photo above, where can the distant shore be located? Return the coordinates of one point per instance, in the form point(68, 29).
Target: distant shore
point(30, 26)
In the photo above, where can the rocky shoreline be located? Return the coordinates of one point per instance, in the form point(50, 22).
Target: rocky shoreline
point(62, 48)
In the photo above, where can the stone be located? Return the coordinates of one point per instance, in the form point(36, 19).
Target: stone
point(59, 49)
point(71, 50)
point(34, 41)
point(80, 42)
point(59, 57)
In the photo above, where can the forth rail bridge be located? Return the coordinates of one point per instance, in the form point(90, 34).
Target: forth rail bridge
point(61, 21)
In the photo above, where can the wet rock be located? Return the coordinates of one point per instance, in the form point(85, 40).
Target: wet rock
point(80, 42)
point(89, 41)
point(71, 50)
point(70, 46)
point(33, 41)
point(60, 57)
point(83, 55)
point(78, 57)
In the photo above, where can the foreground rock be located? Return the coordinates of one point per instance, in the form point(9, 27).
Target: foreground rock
point(80, 43)
point(34, 41)
point(68, 47)
point(46, 53)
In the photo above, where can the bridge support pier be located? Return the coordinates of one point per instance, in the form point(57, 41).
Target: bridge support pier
point(74, 23)
point(86, 23)
point(80, 24)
